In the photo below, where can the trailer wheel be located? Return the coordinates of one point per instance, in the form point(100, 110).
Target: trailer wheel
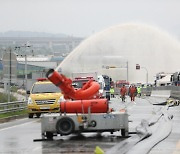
point(65, 126)
point(123, 132)
point(49, 135)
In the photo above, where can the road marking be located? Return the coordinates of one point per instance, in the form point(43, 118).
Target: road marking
point(17, 125)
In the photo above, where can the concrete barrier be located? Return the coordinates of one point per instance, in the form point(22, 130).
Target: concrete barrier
point(175, 94)
point(161, 93)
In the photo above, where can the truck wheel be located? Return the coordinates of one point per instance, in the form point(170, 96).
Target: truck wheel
point(49, 135)
point(38, 115)
point(31, 115)
point(65, 126)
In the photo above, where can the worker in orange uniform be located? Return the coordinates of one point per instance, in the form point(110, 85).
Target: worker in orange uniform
point(132, 92)
point(123, 92)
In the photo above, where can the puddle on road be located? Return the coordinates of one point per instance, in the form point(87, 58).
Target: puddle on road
point(83, 143)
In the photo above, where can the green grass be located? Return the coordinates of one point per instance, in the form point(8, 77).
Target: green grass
point(4, 98)
point(14, 89)
point(9, 114)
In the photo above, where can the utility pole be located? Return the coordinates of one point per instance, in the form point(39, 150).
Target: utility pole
point(127, 72)
point(25, 66)
point(9, 83)
point(25, 56)
point(146, 74)
point(9, 70)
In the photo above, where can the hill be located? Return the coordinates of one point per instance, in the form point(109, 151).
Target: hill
point(30, 34)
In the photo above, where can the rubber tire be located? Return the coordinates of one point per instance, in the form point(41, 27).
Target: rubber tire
point(65, 126)
point(49, 135)
point(31, 115)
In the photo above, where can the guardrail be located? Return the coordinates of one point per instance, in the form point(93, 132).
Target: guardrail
point(13, 106)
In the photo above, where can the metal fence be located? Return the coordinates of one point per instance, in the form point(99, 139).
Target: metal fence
point(13, 106)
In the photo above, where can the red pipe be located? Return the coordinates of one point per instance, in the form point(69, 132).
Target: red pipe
point(64, 83)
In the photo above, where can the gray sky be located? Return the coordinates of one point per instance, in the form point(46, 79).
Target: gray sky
point(84, 17)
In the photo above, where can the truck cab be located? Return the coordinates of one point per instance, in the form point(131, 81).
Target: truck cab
point(44, 97)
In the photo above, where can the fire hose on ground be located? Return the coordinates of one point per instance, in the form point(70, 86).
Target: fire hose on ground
point(149, 133)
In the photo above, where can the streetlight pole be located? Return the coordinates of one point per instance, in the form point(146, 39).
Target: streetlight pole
point(146, 74)
point(127, 71)
point(138, 68)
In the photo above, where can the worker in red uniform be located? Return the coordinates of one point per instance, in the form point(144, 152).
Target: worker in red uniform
point(123, 92)
point(132, 92)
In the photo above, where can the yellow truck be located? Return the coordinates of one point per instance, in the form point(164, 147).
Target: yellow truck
point(44, 97)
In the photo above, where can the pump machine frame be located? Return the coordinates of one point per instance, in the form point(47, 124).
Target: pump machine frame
point(65, 124)
point(81, 111)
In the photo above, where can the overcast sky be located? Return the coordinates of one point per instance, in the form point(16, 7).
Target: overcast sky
point(84, 17)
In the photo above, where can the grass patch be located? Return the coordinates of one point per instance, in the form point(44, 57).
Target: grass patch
point(9, 114)
point(4, 98)
point(14, 89)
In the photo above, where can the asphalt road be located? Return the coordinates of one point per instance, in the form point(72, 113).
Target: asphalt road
point(16, 137)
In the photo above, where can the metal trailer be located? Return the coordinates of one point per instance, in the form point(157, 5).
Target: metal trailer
point(65, 124)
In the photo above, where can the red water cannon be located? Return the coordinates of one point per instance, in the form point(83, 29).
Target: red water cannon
point(88, 91)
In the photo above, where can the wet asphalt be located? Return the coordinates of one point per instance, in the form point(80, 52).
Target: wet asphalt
point(17, 136)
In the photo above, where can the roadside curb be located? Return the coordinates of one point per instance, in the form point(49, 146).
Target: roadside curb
point(3, 120)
